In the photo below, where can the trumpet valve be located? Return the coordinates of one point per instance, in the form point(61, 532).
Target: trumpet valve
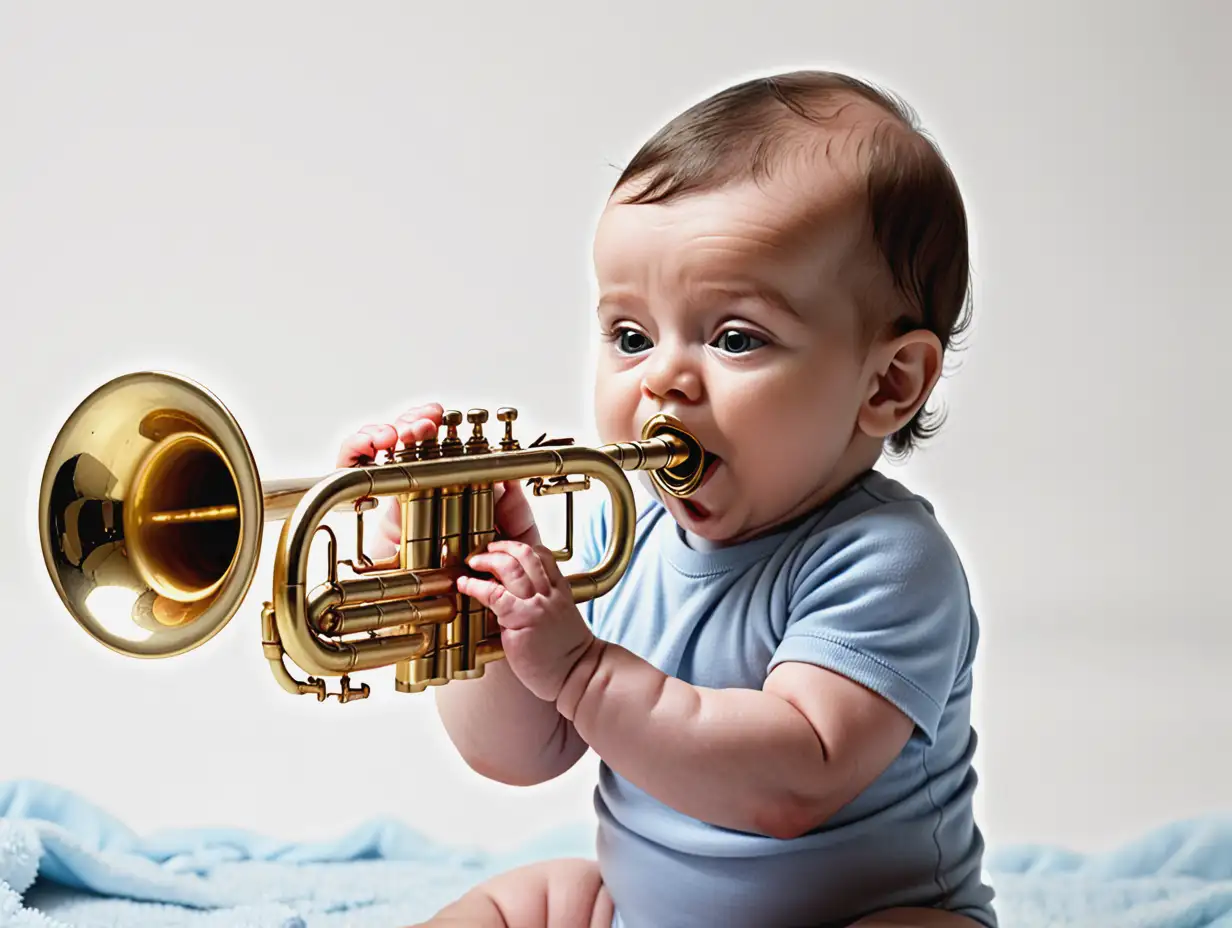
point(408, 452)
point(429, 449)
point(451, 445)
point(477, 443)
point(507, 415)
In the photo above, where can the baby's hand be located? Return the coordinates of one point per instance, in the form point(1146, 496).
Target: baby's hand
point(415, 424)
point(542, 632)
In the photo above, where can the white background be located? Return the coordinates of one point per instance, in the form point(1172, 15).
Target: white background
point(325, 212)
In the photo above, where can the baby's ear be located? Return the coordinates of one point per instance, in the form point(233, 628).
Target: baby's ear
point(901, 374)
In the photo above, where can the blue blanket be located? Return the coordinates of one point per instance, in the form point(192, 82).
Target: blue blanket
point(66, 864)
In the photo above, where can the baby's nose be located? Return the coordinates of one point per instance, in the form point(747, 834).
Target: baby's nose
point(670, 379)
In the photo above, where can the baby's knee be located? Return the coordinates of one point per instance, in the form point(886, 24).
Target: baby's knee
point(563, 893)
point(580, 893)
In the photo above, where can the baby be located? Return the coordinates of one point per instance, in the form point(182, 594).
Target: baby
point(779, 688)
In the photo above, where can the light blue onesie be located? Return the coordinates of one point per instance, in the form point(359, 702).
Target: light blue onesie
point(870, 587)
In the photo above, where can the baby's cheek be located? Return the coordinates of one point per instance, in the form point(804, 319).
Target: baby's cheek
point(755, 414)
point(616, 397)
point(743, 412)
point(788, 436)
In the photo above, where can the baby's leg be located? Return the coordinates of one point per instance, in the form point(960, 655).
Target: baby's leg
point(565, 893)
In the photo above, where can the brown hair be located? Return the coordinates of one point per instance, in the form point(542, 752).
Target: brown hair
point(916, 212)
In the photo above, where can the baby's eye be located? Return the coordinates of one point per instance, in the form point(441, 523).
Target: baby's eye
point(631, 341)
point(736, 341)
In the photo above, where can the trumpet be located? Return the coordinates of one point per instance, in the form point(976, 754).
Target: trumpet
point(151, 514)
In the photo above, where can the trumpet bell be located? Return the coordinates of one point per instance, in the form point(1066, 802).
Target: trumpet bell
point(150, 515)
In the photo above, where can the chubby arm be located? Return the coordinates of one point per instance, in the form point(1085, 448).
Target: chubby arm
point(506, 733)
point(777, 761)
point(875, 635)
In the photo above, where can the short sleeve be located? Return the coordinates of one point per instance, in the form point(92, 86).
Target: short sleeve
point(883, 600)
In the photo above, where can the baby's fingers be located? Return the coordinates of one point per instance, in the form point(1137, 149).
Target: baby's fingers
point(514, 516)
point(419, 422)
point(488, 592)
point(355, 448)
point(506, 569)
point(362, 447)
point(390, 527)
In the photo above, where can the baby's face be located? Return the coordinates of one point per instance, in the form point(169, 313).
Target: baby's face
point(736, 311)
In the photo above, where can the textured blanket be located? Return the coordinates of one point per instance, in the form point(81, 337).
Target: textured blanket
point(67, 864)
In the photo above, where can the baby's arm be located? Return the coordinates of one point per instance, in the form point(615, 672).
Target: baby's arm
point(777, 761)
point(890, 615)
point(506, 733)
point(503, 730)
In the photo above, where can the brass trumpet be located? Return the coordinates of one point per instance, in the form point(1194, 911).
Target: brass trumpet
point(151, 514)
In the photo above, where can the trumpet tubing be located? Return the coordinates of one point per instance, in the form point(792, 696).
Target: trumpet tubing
point(152, 513)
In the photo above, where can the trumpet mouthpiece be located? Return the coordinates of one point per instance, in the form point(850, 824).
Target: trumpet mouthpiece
point(683, 473)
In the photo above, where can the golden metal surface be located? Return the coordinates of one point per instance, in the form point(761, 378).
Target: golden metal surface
point(151, 514)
